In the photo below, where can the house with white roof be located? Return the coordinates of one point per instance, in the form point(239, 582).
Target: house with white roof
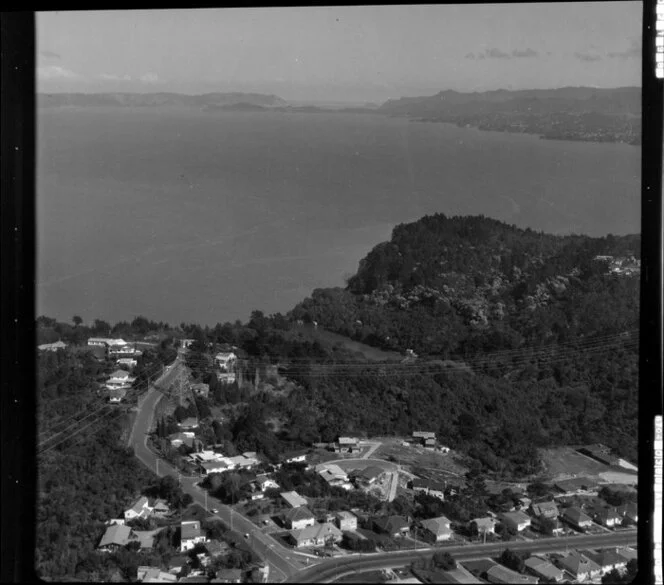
point(115, 537)
point(225, 360)
point(435, 529)
point(316, 535)
point(332, 474)
point(140, 509)
point(346, 520)
point(119, 379)
point(52, 346)
point(484, 525)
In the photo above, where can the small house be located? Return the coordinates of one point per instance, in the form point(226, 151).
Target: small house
point(293, 499)
point(501, 574)
point(140, 509)
point(576, 518)
point(394, 526)
point(517, 521)
point(435, 529)
point(346, 520)
point(299, 518)
point(316, 535)
point(190, 535)
point(543, 569)
point(580, 566)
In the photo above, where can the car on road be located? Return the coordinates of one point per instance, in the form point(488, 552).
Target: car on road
point(214, 511)
point(246, 535)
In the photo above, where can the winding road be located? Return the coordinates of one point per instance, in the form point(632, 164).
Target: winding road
point(283, 562)
point(289, 565)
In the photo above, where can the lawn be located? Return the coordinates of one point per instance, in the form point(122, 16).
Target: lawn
point(565, 462)
point(445, 465)
point(331, 339)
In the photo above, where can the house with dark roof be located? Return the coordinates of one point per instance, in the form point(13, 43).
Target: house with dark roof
point(299, 518)
point(579, 566)
point(577, 518)
point(429, 487)
point(608, 517)
point(517, 521)
point(543, 569)
point(544, 510)
point(608, 560)
point(368, 475)
point(116, 395)
point(176, 563)
point(576, 485)
point(629, 513)
point(600, 453)
point(627, 553)
point(392, 525)
point(501, 574)
point(190, 534)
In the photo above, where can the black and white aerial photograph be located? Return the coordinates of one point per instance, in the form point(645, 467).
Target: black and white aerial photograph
point(341, 294)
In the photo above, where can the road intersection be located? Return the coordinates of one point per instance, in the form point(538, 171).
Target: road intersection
point(289, 565)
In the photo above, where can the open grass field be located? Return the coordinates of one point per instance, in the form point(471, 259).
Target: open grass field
point(412, 457)
point(331, 339)
point(565, 462)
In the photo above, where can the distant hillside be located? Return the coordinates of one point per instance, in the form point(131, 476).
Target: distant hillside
point(158, 99)
point(569, 113)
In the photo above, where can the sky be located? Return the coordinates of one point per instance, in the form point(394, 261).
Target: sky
point(341, 53)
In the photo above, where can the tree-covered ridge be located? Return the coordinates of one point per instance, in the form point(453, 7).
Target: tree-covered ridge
point(463, 285)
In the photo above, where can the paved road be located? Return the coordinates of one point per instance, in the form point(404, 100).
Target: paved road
point(286, 564)
point(335, 568)
point(283, 562)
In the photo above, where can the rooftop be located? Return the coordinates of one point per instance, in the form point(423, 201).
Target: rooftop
point(505, 575)
point(294, 499)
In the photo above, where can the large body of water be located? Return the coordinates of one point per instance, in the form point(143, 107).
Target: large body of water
point(182, 215)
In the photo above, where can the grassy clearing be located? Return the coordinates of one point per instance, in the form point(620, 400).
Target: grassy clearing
point(331, 339)
point(565, 462)
point(435, 463)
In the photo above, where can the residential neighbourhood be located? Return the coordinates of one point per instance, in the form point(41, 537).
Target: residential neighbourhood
point(351, 466)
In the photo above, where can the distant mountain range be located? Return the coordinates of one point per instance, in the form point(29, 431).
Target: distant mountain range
point(158, 99)
point(568, 113)
point(622, 100)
